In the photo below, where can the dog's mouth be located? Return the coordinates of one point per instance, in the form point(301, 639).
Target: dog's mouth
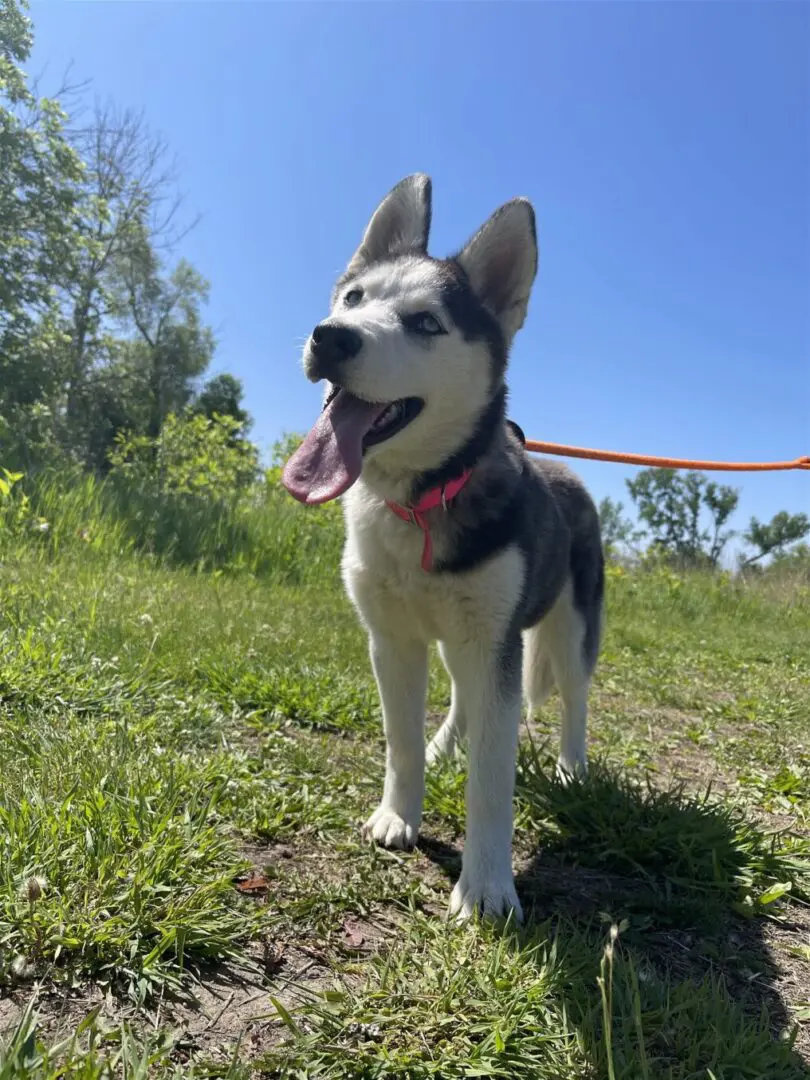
point(330, 458)
point(392, 420)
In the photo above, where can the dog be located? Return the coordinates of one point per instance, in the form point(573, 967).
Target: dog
point(453, 534)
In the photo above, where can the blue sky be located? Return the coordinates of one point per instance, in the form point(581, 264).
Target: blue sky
point(665, 146)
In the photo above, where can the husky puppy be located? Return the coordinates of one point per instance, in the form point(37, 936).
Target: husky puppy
point(454, 534)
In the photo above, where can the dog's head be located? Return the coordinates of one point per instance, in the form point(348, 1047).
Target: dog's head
point(414, 349)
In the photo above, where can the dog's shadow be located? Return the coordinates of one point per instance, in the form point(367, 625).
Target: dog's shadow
point(683, 877)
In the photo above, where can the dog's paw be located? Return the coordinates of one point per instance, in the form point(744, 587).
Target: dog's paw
point(434, 751)
point(569, 771)
point(389, 829)
point(441, 750)
point(493, 898)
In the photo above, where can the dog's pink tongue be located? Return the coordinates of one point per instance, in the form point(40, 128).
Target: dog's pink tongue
point(330, 458)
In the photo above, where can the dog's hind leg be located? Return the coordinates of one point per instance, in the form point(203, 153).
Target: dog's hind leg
point(447, 740)
point(538, 678)
point(451, 734)
point(555, 656)
point(565, 634)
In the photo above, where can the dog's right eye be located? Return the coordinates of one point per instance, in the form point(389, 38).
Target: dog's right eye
point(353, 297)
point(423, 323)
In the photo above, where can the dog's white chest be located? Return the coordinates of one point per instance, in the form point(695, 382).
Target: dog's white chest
point(382, 566)
point(383, 573)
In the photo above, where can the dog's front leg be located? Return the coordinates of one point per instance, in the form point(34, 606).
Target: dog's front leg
point(401, 670)
point(487, 676)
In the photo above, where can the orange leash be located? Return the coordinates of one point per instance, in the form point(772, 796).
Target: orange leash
point(664, 462)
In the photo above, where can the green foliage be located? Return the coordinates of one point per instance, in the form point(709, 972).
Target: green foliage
point(285, 447)
point(136, 337)
point(686, 515)
point(528, 1006)
point(184, 507)
point(101, 330)
point(174, 899)
point(92, 1052)
point(16, 41)
point(442, 1004)
point(7, 482)
point(193, 496)
point(14, 505)
point(222, 396)
point(15, 510)
point(674, 507)
point(40, 178)
point(191, 455)
point(618, 531)
point(775, 537)
point(691, 858)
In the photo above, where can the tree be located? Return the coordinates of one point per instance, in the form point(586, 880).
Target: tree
point(137, 354)
point(222, 396)
point(617, 530)
point(721, 502)
point(101, 330)
point(174, 346)
point(40, 176)
point(672, 506)
point(775, 537)
point(128, 211)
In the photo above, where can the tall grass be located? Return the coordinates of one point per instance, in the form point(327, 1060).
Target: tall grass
point(260, 531)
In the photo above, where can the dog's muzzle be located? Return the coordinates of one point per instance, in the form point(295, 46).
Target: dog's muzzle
point(330, 346)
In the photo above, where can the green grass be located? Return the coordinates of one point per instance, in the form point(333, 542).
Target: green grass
point(454, 1003)
point(258, 532)
point(164, 727)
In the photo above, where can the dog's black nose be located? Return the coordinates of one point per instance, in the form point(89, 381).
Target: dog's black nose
point(333, 343)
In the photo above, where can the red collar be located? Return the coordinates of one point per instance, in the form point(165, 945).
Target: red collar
point(438, 496)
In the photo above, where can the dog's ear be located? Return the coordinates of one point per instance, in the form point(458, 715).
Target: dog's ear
point(501, 262)
point(400, 224)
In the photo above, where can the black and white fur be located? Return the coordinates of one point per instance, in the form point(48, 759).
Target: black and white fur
point(515, 594)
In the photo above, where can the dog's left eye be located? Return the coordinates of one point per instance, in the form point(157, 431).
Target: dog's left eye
point(353, 297)
point(424, 323)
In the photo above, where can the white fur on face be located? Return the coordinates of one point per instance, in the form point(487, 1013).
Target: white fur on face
point(452, 376)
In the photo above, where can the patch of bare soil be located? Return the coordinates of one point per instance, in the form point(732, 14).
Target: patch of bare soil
point(679, 759)
point(226, 1006)
point(231, 1005)
point(791, 968)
